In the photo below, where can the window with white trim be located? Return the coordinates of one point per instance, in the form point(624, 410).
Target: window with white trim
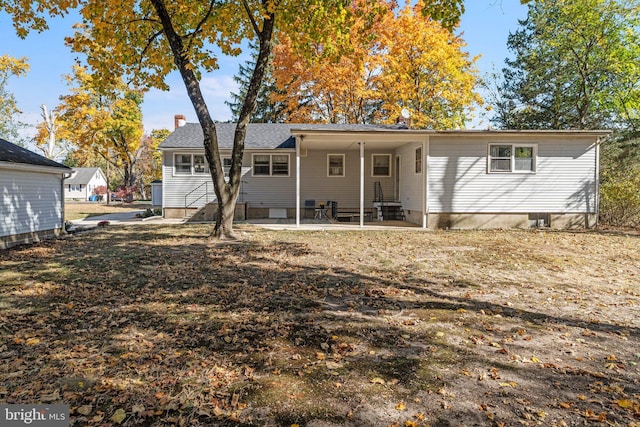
point(335, 164)
point(182, 164)
point(200, 164)
point(381, 164)
point(270, 164)
point(419, 160)
point(519, 158)
point(280, 164)
point(226, 166)
point(190, 164)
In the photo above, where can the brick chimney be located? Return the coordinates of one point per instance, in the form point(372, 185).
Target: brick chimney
point(405, 117)
point(179, 120)
point(405, 120)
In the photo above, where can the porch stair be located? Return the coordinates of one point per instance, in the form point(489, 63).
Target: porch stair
point(206, 213)
point(387, 209)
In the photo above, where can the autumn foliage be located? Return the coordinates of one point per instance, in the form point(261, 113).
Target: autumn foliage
point(397, 60)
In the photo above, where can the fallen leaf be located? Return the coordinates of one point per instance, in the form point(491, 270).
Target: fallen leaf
point(625, 403)
point(334, 365)
point(509, 384)
point(377, 380)
point(119, 416)
point(137, 409)
point(401, 407)
point(84, 410)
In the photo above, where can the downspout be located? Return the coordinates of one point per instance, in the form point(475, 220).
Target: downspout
point(361, 184)
point(65, 175)
point(298, 143)
point(597, 179)
point(425, 182)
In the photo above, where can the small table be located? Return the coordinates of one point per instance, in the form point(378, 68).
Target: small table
point(321, 213)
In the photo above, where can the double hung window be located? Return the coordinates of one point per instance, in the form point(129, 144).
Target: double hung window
point(270, 165)
point(519, 158)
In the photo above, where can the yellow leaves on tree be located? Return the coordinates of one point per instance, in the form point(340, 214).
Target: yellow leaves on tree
point(425, 71)
point(9, 67)
point(398, 60)
point(105, 120)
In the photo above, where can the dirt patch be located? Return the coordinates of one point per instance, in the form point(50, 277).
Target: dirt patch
point(325, 328)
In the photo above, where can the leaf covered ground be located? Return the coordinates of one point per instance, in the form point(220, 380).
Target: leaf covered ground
point(157, 325)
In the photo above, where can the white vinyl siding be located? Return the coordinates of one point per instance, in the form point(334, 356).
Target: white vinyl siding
point(563, 183)
point(29, 202)
point(316, 185)
point(276, 192)
point(412, 185)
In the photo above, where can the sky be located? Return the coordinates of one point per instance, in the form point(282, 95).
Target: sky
point(485, 27)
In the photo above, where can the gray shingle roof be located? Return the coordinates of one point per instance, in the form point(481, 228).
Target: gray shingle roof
point(259, 135)
point(12, 153)
point(81, 175)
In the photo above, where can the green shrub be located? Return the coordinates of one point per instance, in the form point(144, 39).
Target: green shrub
point(620, 197)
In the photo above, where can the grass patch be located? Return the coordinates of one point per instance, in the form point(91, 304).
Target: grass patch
point(288, 327)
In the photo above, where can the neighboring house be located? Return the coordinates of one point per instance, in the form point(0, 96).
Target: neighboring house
point(82, 183)
point(436, 179)
point(31, 203)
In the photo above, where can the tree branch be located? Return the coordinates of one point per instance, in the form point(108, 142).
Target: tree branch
point(254, 24)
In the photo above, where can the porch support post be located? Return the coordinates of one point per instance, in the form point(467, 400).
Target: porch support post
point(298, 142)
point(361, 184)
point(425, 182)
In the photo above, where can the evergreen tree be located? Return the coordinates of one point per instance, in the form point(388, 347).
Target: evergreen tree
point(267, 110)
point(575, 67)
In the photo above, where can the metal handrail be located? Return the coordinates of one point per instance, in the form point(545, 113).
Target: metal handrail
point(194, 201)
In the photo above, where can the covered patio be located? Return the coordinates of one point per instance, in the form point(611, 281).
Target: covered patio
point(343, 165)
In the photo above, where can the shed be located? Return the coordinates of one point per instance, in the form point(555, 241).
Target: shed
point(32, 202)
point(156, 192)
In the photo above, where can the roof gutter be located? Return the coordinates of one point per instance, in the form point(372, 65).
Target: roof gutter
point(35, 168)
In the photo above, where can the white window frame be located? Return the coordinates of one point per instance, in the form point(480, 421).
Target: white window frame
point(271, 171)
point(373, 167)
point(192, 165)
point(205, 165)
point(175, 164)
point(226, 167)
point(418, 161)
point(512, 158)
point(341, 167)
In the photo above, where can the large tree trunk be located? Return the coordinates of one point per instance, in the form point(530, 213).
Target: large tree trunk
point(226, 192)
